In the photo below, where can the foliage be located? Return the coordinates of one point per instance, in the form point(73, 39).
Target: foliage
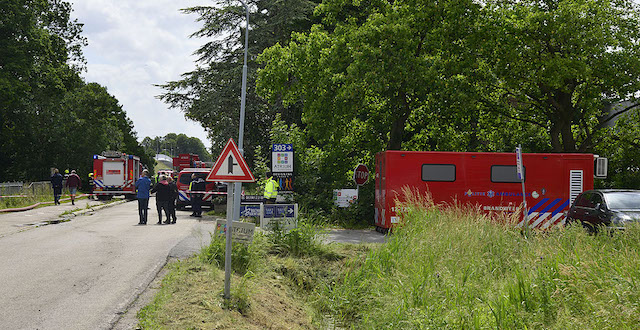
point(174, 144)
point(455, 268)
point(210, 94)
point(560, 65)
point(299, 241)
point(49, 117)
point(621, 146)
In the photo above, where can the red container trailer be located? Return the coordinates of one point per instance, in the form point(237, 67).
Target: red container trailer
point(487, 180)
point(115, 174)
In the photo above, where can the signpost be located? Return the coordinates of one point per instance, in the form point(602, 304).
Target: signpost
point(521, 176)
point(285, 215)
point(230, 167)
point(282, 166)
point(344, 197)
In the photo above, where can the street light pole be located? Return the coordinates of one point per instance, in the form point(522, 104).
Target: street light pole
point(238, 185)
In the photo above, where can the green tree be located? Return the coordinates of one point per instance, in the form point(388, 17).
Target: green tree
point(560, 65)
point(210, 94)
point(371, 68)
point(40, 57)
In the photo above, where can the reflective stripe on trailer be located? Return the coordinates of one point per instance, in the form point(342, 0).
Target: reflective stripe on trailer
point(98, 183)
point(545, 215)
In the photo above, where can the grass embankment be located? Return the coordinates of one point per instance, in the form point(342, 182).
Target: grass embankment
point(457, 269)
point(450, 268)
point(272, 281)
point(32, 196)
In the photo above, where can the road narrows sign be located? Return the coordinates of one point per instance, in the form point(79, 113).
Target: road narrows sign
point(230, 166)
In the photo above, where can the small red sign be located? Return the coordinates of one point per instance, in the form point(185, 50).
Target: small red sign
point(361, 174)
point(113, 172)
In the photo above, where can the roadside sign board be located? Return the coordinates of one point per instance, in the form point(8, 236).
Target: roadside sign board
point(250, 210)
point(344, 197)
point(230, 166)
point(519, 163)
point(286, 215)
point(361, 174)
point(282, 158)
point(240, 231)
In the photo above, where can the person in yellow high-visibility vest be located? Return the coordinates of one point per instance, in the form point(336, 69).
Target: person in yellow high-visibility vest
point(270, 189)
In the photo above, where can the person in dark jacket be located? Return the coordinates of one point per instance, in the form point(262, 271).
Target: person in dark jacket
point(174, 195)
point(73, 182)
point(56, 184)
point(163, 195)
point(196, 187)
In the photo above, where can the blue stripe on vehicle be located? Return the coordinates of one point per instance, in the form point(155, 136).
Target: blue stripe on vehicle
point(535, 207)
point(99, 183)
point(559, 209)
point(552, 204)
point(183, 196)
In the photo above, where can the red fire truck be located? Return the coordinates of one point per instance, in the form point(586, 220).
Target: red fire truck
point(187, 161)
point(115, 174)
point(488, 180)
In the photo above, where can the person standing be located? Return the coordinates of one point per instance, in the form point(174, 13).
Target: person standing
point(91, 184)
point(73, 182)
point(270, 189)
point(163, 195)
point(56, 184)
point(196, 186)
point(143, 185)
point(173, 188)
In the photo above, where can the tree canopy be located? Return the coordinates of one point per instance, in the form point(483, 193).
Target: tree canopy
point(49, 117)
point(174, 144)
point(210, 94)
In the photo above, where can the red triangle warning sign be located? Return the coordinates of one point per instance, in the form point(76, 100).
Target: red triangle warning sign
point(230, 166)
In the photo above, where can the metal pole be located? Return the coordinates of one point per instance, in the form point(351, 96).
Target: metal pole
point(235, 202)
point(238, 185)
point(227, 253)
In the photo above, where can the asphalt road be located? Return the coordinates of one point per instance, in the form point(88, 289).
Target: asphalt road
point(84, 273)
point(93, 267)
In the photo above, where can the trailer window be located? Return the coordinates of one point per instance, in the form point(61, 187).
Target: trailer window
point(439, 172)
point(506, 173)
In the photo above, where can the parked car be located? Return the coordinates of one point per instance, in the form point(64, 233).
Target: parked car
point(611, 208)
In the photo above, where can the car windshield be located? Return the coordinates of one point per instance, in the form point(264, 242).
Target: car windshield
point(185, 178)
point(623, 200)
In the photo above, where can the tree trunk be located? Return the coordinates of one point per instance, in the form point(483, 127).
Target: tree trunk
point(397, 127)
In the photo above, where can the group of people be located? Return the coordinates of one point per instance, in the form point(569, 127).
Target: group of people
point(166, 195)
point(70, 180)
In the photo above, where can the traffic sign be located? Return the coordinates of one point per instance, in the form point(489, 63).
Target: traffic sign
point(230, 166)
point(361, 174)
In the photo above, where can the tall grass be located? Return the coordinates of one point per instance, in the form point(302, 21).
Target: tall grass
point(453, 267)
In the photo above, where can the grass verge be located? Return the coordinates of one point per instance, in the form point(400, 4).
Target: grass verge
point(273, 281)
point(456, 268)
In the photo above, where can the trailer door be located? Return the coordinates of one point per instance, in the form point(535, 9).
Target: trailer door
point(113, 173)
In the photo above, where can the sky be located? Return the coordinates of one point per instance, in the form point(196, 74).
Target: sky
point(134, 44)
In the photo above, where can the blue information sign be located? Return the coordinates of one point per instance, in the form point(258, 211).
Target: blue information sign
point(279, 211)
point(250, 210)
point(281, 147)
